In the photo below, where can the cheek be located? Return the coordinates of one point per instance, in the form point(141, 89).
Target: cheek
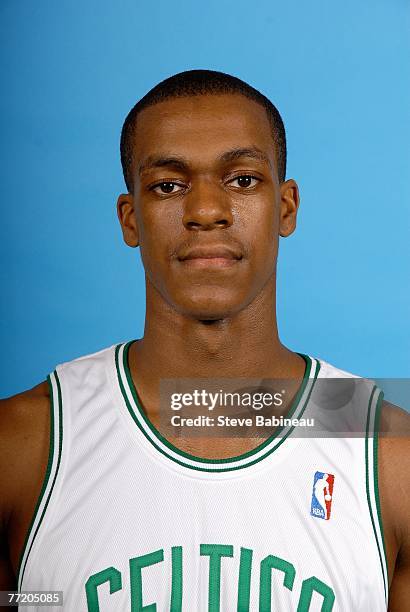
point(261, 233)
point(155, 227)
point(159, 232)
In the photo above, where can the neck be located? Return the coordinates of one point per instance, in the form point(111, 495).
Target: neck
point(243, 345)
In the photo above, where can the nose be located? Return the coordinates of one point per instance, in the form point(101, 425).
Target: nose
point(207, 207)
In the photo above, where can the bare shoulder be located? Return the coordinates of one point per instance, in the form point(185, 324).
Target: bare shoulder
point(394, 451)
point(24, 434)
point(394, 421)
point(394, 487)
point(24, 449)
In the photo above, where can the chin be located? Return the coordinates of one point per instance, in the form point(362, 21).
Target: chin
point(208, 303)
point(211, 309)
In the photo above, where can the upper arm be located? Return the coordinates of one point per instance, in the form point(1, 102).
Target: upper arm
point(394, 485)
point(24, 447)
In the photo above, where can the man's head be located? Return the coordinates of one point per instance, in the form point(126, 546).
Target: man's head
point(199, 83)
point(207, 198)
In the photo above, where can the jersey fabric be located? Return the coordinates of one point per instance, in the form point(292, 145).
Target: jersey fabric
point(128, 522)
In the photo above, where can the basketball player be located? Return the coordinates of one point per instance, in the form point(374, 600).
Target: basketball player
point(97, 503)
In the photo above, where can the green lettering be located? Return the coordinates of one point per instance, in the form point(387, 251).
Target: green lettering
point(136, 565)
point(265, 587)
point(244, 583)
point(215, 552)
point(314, 584)
point(111, 575)
point(176, 590)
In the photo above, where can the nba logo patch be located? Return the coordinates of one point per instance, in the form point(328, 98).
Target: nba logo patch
point(322, 495)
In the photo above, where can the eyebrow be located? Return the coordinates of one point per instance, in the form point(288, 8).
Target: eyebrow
point(252, 152)
point(181, 163)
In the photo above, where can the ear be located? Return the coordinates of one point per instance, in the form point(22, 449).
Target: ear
point(127, 218)
point(289, 204)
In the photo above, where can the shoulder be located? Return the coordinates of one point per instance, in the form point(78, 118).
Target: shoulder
point(393, 437)
point(21, 413)
point(24, 449)
point(394, 464)
point(394, 489)
point(328, 370)
point(24, 432)
point(25, 422)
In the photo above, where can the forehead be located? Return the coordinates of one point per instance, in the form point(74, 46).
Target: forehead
point(202, 127)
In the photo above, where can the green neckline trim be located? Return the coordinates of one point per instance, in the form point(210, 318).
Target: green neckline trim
point(201, 460)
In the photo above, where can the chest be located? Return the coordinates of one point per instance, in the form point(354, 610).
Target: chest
point(125, 530)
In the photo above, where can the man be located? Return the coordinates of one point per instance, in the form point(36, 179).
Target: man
point(98, 503)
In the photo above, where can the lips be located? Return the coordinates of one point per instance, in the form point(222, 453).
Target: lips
point(216, 255)
point(218, 252)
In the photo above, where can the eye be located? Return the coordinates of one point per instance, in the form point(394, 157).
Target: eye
point(245, 181)
point(166, 187)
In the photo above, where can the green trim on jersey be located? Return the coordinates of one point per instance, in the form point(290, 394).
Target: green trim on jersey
point(56, 438)
point(371, 455)
point(376, 475)
point(138, 415)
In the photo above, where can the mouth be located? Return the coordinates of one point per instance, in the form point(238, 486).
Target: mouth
point(210, 257)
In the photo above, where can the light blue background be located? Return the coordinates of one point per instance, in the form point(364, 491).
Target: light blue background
point(338, 72)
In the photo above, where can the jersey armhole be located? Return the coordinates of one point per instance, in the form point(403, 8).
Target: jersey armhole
point(53, 464)
point(372, 479)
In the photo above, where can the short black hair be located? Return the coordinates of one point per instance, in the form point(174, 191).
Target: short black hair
point(196, 83)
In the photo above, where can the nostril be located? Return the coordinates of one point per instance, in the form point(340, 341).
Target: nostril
point(193, 225)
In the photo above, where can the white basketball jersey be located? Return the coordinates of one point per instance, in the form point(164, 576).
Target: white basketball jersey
point(127, 522)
